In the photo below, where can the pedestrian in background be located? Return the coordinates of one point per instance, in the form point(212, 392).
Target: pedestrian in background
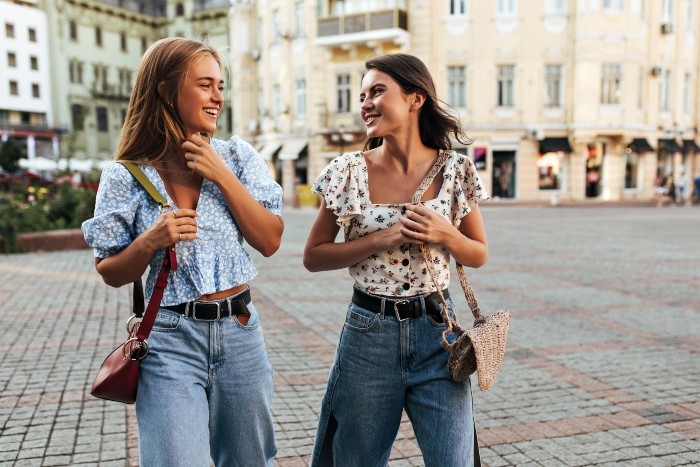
point(389, 356)
point(205, 389)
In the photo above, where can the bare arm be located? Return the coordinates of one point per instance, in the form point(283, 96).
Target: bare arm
point(261, 228)
point(322, 253)
point(468, 245)
point(129, 264)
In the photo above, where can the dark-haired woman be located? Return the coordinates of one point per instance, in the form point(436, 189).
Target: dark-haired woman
point(205, 388)
point(389, 356)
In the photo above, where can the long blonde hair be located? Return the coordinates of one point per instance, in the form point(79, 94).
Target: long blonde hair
point(153, 128)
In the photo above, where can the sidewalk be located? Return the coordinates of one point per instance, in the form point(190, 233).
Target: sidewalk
point(601, 365)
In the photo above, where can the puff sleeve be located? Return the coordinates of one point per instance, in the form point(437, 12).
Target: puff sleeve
point(112, 228)
point(468, 188)
point(339, 185)
point(255, 176)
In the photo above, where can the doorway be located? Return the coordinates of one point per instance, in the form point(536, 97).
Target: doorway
point(594, 169)
point(503, 174)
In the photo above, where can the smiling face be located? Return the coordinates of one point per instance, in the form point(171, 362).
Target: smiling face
point(200, 99)
point(385, 108)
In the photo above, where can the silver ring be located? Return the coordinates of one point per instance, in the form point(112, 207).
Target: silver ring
point(180, 236)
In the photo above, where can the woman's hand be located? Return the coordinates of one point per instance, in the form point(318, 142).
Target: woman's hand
point(423, 225)
point(202, 158)
point(395, 236)
point(172, 227)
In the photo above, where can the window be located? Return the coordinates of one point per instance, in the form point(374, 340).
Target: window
point(11, 59)
point(4, 116)
point(632, 171)
point(458, 7)
point(71, 71)
point(77, 116)
point(229, 120)
point(144, 45)
point(611, 83)
point(640, 89)
point(80, 73)
point(179, 10)
point(553, 85)
point(617, 5)
point(275, 26)
point(457, 86)
point(665, 90)
point(299, 20)
point(35, 90)
point(123, 114)
point(261, 103)
point(73, 31)
point(25, 118)
point(686, 93)
point(33, 63)
point(32, 35)
point(343, 93)
point(276, 101)
point(14, 89)
point(101, 119)
point(301, 98)
point(690, 6)
point(260, 34)
point(98, 36)
point(9, 30)
point(555, 7)
point(552, 167)
point(667, 11)
point(506, 78)
point(505, 7)
point(122, 41)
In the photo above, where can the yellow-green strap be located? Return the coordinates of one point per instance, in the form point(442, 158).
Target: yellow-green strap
point(145, 183)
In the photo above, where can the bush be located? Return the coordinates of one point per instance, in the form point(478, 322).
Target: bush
point(36, 208)
point(10, 154)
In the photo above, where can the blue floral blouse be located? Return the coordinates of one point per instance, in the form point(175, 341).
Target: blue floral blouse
point(214, 261)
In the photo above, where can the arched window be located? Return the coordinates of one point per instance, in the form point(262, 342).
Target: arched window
point(179, 10)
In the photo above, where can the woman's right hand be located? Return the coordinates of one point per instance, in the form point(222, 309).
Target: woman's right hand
point(172, 227)
point(393, 237)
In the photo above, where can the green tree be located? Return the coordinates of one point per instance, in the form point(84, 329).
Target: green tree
point(10, 154)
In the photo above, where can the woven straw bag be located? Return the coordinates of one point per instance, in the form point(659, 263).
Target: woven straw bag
point(480, 348)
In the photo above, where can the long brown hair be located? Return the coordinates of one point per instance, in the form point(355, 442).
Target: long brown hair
point(153, 128)
point(435, 124)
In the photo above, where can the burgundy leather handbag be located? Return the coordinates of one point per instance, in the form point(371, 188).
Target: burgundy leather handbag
point(117, 378)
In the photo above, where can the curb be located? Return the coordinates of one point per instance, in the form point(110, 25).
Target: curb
point(52, 240)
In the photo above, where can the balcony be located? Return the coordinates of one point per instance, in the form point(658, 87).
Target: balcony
point(203, 5)
point(363, 27)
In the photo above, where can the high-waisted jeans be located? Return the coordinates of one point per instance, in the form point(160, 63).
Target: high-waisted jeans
point(381, 367)
point(205, 391)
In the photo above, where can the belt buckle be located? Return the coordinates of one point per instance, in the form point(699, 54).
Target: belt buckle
point(194, 311)
point(396, 310)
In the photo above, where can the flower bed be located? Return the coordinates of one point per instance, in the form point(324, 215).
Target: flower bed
point(32, 205)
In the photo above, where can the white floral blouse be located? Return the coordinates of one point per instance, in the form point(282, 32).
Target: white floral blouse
point(402, 272)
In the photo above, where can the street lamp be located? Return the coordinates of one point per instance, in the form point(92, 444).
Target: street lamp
point(340, 137)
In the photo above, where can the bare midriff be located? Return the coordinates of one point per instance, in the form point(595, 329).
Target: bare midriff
point(243, 319)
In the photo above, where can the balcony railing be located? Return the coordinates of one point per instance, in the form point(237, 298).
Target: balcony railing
point(202, 5)
point(363, 22)
point(151, 8)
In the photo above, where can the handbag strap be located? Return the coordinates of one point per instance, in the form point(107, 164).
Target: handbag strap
point(452, 325)
point(169, 264)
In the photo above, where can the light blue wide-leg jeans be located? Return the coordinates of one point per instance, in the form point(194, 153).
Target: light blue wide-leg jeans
point(381, 367)
point(205, 391)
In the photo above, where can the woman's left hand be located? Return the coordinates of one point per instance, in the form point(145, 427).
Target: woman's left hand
point(202, 158)
point(426, 225)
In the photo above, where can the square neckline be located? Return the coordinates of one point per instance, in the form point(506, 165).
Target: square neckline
point(369, 198)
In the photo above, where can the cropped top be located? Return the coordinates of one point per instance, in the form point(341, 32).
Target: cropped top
point(401, 272)
point(216, 259)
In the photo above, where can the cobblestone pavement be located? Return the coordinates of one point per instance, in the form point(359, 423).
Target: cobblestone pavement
point(602, 364)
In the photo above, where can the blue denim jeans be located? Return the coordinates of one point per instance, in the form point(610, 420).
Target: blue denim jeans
point(205, 390)
point(381, 367)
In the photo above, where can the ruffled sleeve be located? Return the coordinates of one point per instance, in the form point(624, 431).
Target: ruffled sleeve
point(112, 228)
point(340, 186)
point(468, 187)
point(254, 174)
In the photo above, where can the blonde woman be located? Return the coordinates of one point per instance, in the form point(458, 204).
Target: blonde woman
point(205, 388)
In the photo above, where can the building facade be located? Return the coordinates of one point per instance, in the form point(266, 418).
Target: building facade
point(96, 49)
point(26, 112)
point(566, 100)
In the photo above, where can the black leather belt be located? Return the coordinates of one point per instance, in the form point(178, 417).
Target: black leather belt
point(215, 309)
point(406, 308)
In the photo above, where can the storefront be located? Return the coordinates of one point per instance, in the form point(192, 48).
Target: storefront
point(552, 164)
point(634, 164)
point(595, 168)
point(503, 174)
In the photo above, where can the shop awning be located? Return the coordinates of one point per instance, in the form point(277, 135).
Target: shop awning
point(669, 145)
point(269, 149)
point(292, 148)
point(554, 145)
point(689, 145)
point(640, 145)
